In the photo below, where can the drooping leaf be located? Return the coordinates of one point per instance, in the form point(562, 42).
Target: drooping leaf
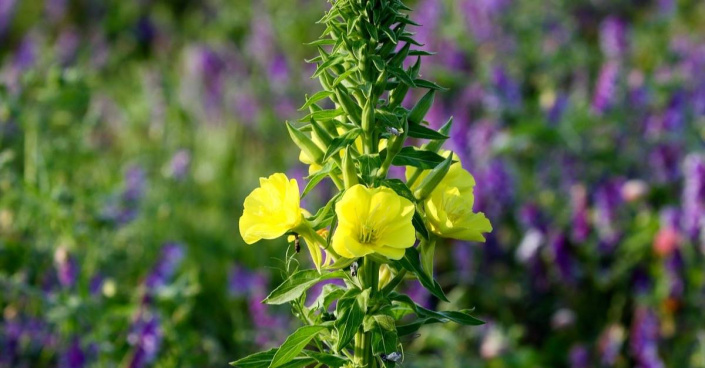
point(409, 156)
point(411, 262)
point(294, 344)
point(427, 316)
point(329, 360)
point(423, 132)
point(297, 284)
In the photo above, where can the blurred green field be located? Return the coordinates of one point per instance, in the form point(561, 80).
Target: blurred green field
point(130, 133)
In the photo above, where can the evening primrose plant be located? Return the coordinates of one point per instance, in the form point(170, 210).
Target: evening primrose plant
point(376, 231)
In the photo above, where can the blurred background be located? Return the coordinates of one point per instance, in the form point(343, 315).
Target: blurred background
point(130, 132)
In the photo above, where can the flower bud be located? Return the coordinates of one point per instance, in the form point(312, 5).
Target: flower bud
point(349, 171)
point(433, 178)
point(435, 145)
point(385, 275)
point(305, 143)
point(320, 133)
point(418, 112)
point(348, 104)
point(398, 95)
point(368, 116)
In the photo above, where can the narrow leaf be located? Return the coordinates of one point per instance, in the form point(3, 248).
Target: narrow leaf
point(409, 156)
point(297, 284)
point(328, 360)
point(411, 263)
point(341, 142)
point(423, 132)
point(294, 344)
point(315, 98)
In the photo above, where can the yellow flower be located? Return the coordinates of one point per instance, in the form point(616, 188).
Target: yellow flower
point(449, 214)
point(271, 210)
point(373, 220)
point(449, 207)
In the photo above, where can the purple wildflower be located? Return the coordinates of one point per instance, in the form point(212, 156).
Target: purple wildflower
point(464, 258)
point(606, 88)
point(644, 338)
point(613, 37)
point(180, 164)
point(557, 109)
point(67, 45)
point(610, 344)
point(664, 160)
point(55, 9)
point(73, 356)
point(608, 199)
point(579, 357)
point(508, 90)
point(242, 281)
point(694, 194)
point(95, 286)
point(145, 337)
point(418, 294)
point(562, 257)
point(7, 8)
point(581, 226)
point(171, 256)
point(66, 268)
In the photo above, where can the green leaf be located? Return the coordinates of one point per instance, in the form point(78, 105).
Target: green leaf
point(402, 76)
point(411, 263)
point(420, 225)
point(327, 64)
point(423, 132)
point(329, 360)
point(264, 359)
point(324, 216)
point(427, 316)
point(294, 344)
point(344, 76)
point(257, 360)
point(410, 156)
point(422, 83)
point(341, 142)
point(297, 284)
point(329, 294)
point(400, 188)
point(323, 115)
point(316, 178)
point(315, 98)
point(350, 313)
point(322, 42)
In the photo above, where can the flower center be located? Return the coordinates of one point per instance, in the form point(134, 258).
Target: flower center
point(367, 234)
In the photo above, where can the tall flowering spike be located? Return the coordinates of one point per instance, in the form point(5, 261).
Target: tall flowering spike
point(644, 338)
point(354, 131)
point(605, 94)
point(694, 194)
point(373, 220)
point(613, 37)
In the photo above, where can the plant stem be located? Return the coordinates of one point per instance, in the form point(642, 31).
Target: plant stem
point(363, 340)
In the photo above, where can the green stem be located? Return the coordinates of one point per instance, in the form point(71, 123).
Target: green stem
point(369, 275)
